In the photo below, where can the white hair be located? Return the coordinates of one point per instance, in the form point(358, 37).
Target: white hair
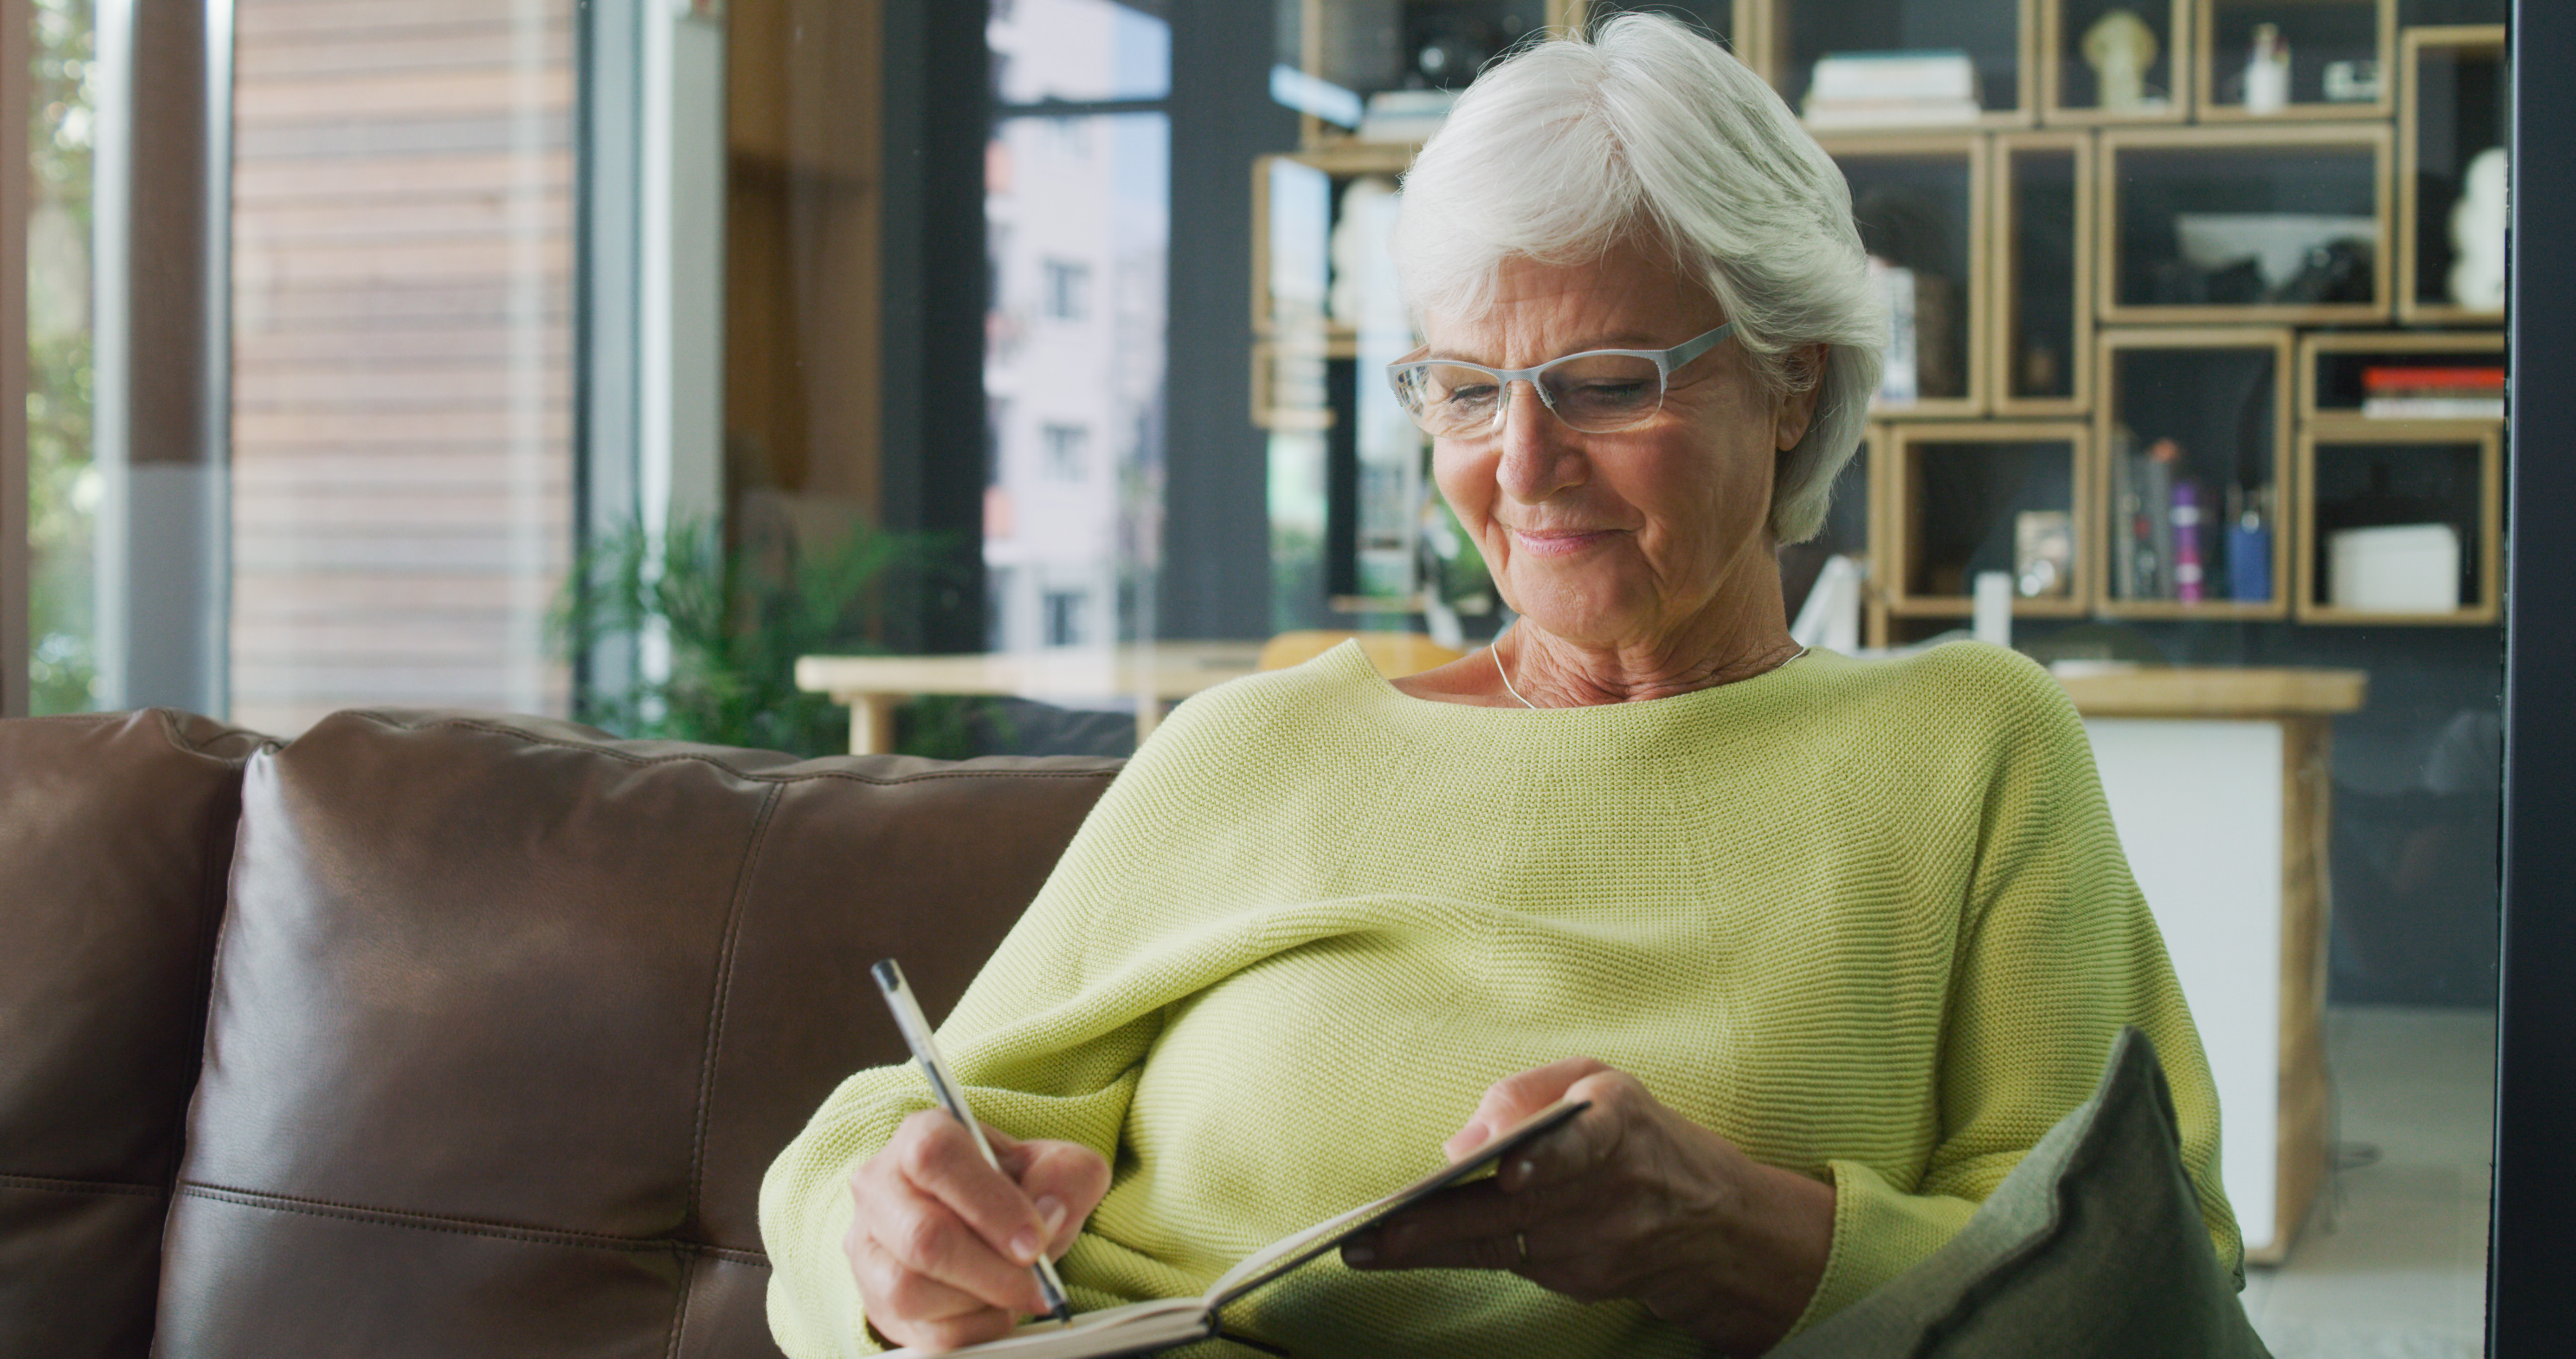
point(1644, 130)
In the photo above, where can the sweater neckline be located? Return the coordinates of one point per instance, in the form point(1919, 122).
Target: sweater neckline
point(1356, 668)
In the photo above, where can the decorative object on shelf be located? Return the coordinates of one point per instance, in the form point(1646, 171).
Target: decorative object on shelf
point(1990, 616)
point(2267, 71)
point(2352, 82)
point(1830, 618)
point(2187, 553)
point(1889, 89)
point(1898, 381)
point(2268, 257)
point(2395, 568)
point(2120, 47)
point(2145, 553)
point(2249, 544)
point(2478, 233)
point(1405, 115)
point(2044, 554)
point(2415, 392)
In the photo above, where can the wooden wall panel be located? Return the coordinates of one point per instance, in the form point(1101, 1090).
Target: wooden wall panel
point(403, 211)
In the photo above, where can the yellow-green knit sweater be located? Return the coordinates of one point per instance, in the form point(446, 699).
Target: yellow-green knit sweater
point(1868, 920)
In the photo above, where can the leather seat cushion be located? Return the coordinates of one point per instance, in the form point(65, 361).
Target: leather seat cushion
point(509, 1018)
point(115, 832)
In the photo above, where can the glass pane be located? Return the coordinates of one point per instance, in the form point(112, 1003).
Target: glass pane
point(1078, 50)
point(1076, 220)
point(63, 490)
point(401, 326)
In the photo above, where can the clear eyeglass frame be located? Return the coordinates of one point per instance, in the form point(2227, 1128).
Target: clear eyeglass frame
point(1409, 379)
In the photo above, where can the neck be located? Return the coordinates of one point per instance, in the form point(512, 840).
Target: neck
point(1553, 671)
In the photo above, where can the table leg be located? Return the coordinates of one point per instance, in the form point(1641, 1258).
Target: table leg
point(872, 723)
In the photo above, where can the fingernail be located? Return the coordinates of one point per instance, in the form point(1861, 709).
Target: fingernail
point(1052, 1209)
point(1024, 1247)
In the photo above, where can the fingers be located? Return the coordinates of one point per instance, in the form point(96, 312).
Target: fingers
point(1514, 1098)
point(1590, 1140)
point(1065, 1176)
point(926, 1211)
point(1469, 1226)
point(914, 1309)
point(938, 1157)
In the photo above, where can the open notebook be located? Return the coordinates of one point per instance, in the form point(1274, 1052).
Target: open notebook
point(1143, 1327)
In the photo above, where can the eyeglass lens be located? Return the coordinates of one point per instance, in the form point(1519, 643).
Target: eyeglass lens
point(1591, 393)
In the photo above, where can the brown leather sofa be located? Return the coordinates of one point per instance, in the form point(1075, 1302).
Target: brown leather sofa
point(434, 1033)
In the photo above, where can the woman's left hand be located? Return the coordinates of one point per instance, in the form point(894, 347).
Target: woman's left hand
point(1630, 1200)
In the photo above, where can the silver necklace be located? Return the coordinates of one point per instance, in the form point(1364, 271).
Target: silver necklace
point(1507, 675)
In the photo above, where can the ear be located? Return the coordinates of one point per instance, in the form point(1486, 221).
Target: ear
point(1797, 410)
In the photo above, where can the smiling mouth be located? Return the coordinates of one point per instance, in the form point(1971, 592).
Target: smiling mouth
point(1557, 542)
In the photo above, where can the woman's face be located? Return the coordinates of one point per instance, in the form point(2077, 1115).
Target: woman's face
point(1631, 538)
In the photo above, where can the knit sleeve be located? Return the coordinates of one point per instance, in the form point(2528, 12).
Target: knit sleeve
point(1043, 1050)
point(2057, 951)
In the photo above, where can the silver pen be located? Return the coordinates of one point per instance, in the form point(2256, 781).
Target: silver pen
point(952, 1097)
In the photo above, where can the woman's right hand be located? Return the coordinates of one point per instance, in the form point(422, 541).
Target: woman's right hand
point(941, 1243)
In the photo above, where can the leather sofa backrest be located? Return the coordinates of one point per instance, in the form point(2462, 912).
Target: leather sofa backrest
point(115, 832)
point(508, 1019)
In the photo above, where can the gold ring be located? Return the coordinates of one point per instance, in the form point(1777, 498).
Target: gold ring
point(1520, 1240)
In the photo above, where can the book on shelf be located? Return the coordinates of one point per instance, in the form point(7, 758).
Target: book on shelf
point(2402, 392)
point(1164, 1323)
point(1884, 89)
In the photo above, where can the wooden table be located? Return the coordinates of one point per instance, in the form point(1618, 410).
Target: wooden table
point(1151, 675)
point(2219, 784)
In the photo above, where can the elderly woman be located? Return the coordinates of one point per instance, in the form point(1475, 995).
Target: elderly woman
point(1828, 943)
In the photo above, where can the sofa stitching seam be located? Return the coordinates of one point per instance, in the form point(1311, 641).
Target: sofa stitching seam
point(462, 1226)
point(642, 761)
point(679, 1310)
point(724, 992)
point(12, 1180)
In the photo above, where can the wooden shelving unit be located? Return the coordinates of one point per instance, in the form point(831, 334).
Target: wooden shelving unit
point(2262, 369)
point(2330, 362)
point(1998, 189)
point(2049, 472)
point(2001, 34)
point(2471, 60)
point(2444, 451)
point(1944, 171)
point(2224, 166)
point(2026, 258)
point(2318, 31)
point(2064, 73)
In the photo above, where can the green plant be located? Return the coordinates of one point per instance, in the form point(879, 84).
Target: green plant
point(734, 623)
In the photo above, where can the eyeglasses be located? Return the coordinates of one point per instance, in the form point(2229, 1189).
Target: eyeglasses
point(1599, 391)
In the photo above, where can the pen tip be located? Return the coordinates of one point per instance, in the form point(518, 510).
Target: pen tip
point(1063, 1313)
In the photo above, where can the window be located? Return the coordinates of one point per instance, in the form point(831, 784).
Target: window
point(1064, 617)
point(1064, 283)
point(1066, 447)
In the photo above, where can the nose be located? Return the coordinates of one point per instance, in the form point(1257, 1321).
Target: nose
point(1540, 456)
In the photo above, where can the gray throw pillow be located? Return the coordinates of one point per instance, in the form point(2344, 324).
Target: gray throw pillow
point(2092, 1247)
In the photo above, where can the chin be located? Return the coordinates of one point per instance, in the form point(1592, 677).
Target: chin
point(1575, 614)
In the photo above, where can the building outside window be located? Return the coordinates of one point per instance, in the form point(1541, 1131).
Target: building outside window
point(1064, 617)
point(1066, 284)
point(1076, 209)
point(1067, 449)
